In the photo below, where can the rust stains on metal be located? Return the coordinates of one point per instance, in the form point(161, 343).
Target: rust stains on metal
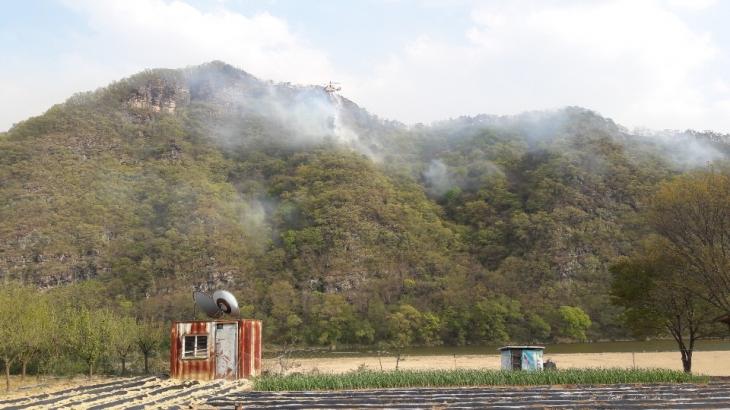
point(248, 349)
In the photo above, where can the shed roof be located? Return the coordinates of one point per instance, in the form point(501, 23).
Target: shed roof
point(208, 321)
point(522, 347)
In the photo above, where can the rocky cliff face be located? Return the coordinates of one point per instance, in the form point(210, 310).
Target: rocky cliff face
point(159, 96)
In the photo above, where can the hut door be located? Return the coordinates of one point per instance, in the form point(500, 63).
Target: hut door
point(225, 351)
point(516, 359)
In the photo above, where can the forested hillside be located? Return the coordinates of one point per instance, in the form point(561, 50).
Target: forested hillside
point(332, 225)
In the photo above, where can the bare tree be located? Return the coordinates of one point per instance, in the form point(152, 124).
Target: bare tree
point(149, 339)
point(124, 336)
point(693, 213)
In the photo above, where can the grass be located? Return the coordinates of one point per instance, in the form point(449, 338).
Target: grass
point(442, 378)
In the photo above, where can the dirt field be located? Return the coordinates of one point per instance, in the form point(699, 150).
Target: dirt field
point(712, 363)
point(121, 393)
point(140, 393)
point(683, 396)
point(152, 392)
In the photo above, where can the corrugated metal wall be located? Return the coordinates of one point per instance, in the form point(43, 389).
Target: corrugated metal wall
point(197, 369)
point(249, 349)
point(249, 340)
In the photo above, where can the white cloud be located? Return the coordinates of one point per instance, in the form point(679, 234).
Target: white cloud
point(127, 36)
point(638, 62)
point(174, 33)
point(635, 61)
point(692, 5)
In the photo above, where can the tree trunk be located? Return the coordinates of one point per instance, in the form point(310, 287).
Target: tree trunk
point(7, 375)
point(124, 367)
point(683, 349)
point(91, 370)
point(146, 367)
point(687, 360)
point(22, 373)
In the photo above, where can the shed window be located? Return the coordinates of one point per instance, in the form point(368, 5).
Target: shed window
point(195, 347)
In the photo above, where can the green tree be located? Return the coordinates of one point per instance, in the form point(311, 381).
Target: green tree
point(650, 286)
point(329, 318)
point(538, 328)
point(284, 312)
point(37, 323)
point(13, 301)
point(149, 338)
point(429, 332)
point(692, 212)
point(488, 322)
point(88, 334)
point(403, 328)
point(123, 339)
point(574, 322)
point(53, 348)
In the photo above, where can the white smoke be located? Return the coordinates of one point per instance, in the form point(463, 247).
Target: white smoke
point(682, 149)
point(254, 217)
point(306, 115)
point(342, 132)
point(438, 181)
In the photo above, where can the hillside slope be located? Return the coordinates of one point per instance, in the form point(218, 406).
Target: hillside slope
point(327, 221)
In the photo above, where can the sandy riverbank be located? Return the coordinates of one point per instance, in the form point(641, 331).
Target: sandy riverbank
point(712, 363)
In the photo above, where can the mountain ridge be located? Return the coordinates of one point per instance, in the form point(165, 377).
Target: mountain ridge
point(325, 218)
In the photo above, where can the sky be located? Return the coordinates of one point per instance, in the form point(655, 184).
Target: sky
point(659, 64)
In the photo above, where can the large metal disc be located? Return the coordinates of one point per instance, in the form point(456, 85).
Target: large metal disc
point(206, 304)
point(226, 302)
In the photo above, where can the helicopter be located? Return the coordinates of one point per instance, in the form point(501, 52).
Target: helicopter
point(332, 87)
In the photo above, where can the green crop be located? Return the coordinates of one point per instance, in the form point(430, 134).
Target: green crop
point(443, 378)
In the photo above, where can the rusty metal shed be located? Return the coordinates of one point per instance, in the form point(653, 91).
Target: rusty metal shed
point(215, 349)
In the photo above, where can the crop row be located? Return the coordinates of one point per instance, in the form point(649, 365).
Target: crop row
point(464, 377)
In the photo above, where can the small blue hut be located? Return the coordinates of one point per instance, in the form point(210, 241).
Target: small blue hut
point(521, 357)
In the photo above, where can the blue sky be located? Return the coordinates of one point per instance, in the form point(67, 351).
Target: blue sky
point(645, 63)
